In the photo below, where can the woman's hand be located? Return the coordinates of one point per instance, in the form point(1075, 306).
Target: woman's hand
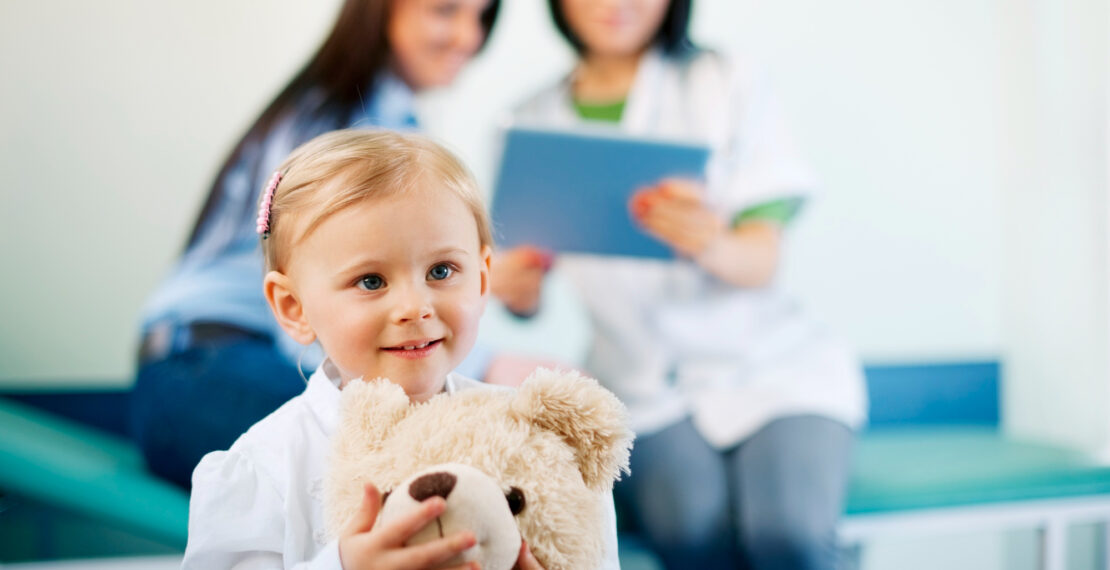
point(516, 278)
point(508, 369)
point(365, 546)
point(526, 561)
point(675, 213)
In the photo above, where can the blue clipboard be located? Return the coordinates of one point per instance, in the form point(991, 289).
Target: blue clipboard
point(568, 191)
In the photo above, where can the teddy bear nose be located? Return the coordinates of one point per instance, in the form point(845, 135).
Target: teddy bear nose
point(439, 483)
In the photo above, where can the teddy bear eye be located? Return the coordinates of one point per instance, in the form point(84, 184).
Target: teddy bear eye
point(515, 497)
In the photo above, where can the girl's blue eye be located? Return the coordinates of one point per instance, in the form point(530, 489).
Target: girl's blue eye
point(440, 272)
point(371, 282)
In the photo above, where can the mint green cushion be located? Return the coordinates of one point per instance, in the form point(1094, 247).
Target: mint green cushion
point(945, 466)
point(896, 469)
point(73, 466)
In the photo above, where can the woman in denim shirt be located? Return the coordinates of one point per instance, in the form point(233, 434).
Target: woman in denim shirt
point(213, 361)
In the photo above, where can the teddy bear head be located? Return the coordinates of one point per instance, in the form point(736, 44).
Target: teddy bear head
point(552, 450)
point(475, 502)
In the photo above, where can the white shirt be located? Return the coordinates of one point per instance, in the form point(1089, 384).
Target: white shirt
point(671, 340)
point(259, 504)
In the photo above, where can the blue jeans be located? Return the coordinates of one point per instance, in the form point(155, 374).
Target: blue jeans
point(770, 503)
point(202, 398)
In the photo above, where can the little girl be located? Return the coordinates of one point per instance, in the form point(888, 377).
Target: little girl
point(377, 245)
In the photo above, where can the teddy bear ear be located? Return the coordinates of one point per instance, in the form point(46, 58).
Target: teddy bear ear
point(588, 417)
point(368, 411)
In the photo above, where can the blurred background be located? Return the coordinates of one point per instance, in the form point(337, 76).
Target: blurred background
point(963, 215)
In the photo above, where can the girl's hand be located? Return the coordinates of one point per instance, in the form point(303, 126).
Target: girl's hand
point(674, 212)
point(516, 278)
point(526, 561)
point(364, 546)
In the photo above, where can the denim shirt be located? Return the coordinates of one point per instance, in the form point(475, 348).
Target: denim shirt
point(219, 278)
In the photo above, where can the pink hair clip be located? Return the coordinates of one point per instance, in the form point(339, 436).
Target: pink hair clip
point(263, 227)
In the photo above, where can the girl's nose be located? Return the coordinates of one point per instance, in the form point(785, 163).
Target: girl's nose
point(412, 304)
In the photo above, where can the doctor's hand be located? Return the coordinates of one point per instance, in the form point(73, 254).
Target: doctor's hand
point(364, 545)
point(674, 212)
point(516, 278)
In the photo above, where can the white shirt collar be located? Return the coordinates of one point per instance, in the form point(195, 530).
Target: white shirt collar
point(323, 393)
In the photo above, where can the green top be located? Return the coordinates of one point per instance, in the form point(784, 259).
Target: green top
point(609, 112)
point(780, 211)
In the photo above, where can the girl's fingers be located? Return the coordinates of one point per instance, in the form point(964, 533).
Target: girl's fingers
point(363, 519)
point(525, 560)
point(440, 550)
point(397, 531)
point(467, 566)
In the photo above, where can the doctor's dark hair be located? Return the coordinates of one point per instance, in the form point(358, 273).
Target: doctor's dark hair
point(672, 36)
point(327, 91)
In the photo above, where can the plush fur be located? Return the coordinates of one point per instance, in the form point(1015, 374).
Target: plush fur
point(560, 439)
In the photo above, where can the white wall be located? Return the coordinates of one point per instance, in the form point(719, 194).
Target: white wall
point(115, 118)
point(1056, 214)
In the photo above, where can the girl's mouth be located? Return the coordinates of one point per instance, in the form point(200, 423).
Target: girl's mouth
point(415, 350)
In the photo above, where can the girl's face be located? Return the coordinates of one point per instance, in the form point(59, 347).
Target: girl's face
point(615, 28)
point(431, 40)
point(393, 287)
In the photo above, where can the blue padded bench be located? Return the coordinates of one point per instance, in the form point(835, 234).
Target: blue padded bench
point(88, 472)
point(932, 459)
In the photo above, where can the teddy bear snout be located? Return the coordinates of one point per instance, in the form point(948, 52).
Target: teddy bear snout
point(439, 483)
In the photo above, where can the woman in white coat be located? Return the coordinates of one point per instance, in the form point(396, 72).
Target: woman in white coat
point(744, 410)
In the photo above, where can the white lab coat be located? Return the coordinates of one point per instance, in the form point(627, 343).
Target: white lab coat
point(669, 339)
point(259, 504)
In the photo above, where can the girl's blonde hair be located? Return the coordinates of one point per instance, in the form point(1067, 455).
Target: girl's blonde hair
point(339, 169)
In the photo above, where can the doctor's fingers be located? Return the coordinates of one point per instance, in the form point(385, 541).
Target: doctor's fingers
point(508, 275)
point(523, 257)
point(689, 235)
point(521, 284)
point(683, 219)
point(682, 189)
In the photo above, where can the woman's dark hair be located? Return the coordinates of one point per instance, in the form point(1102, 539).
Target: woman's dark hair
point(342, 70)
point(672, 36)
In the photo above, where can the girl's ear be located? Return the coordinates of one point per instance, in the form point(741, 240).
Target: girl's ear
point(287, 307)
point(487, 257)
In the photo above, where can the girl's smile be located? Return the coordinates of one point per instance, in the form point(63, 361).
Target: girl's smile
point(414, 349)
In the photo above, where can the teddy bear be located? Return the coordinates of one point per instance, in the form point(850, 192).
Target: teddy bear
point(537, 463)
